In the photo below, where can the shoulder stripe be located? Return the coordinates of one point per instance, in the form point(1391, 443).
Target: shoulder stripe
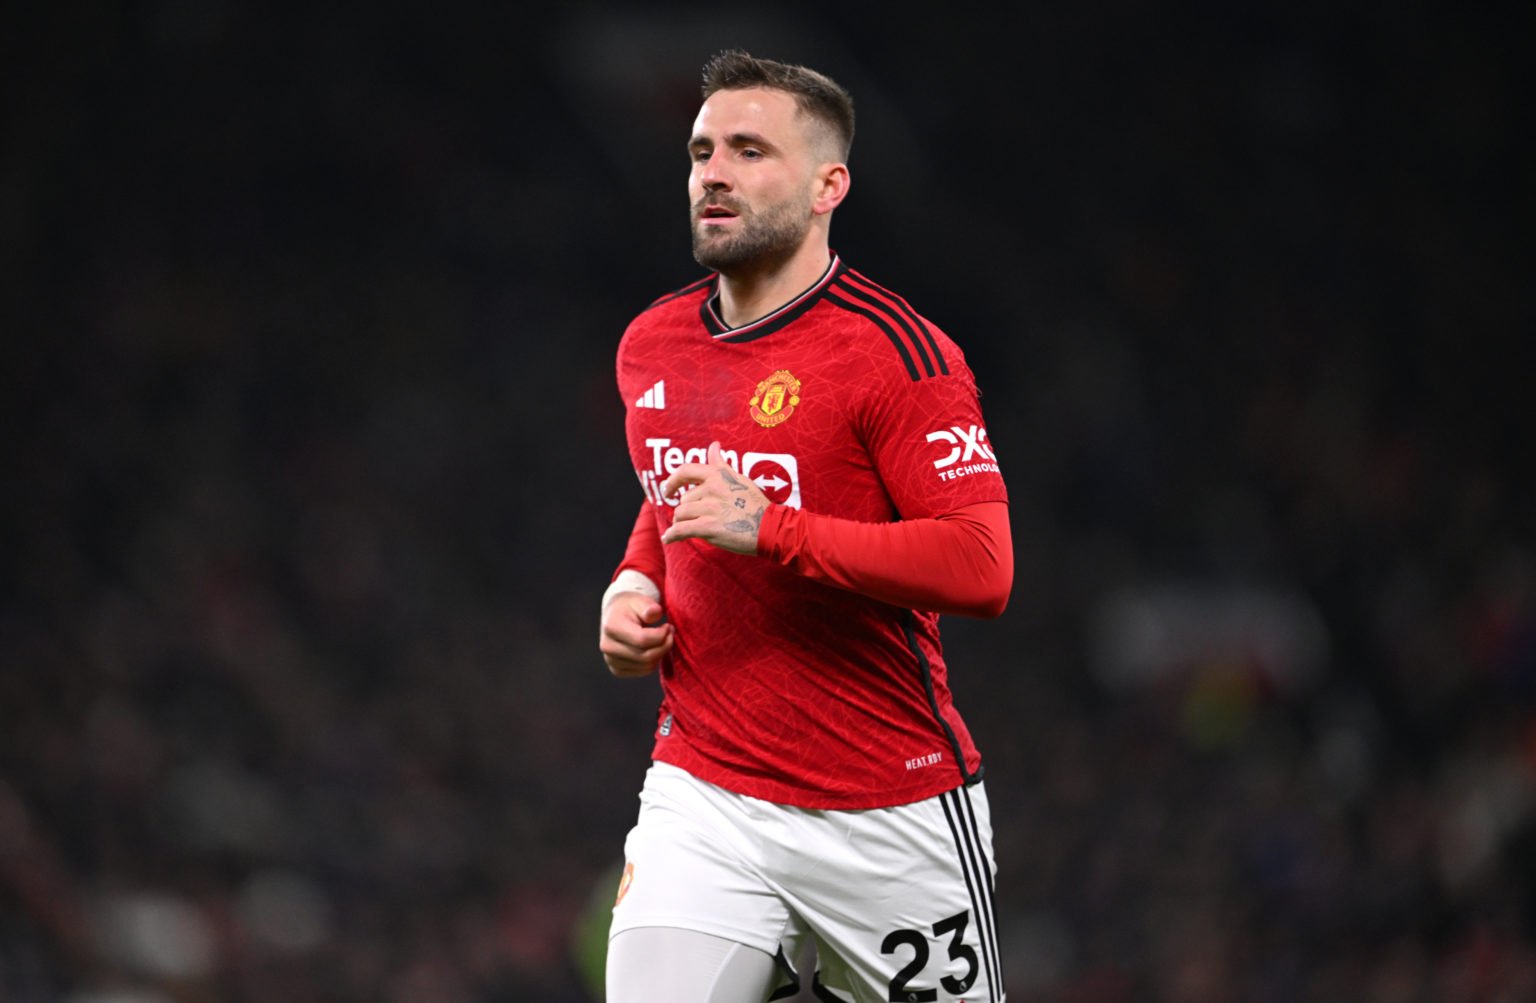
point(691, 287)
point(904, 309)
point(893, 316)
point(834, 296)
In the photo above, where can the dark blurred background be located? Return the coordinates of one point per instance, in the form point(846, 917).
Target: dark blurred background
point(314, 472)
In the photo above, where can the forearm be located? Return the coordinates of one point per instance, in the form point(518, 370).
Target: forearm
point(634, 636)
point(643, 554)
point(958, 563)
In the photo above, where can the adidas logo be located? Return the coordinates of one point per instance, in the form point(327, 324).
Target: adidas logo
point(655, 397)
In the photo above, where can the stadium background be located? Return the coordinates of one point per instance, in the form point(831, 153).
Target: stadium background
point(314, 472)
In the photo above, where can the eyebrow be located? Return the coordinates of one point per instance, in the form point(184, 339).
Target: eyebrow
point(736, 139)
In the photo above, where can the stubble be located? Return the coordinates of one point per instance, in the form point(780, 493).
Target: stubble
point(760, 237)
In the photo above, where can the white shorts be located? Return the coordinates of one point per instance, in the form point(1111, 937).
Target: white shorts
point(897, 901)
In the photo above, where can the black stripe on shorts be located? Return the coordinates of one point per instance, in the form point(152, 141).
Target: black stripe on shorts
point(978, 881)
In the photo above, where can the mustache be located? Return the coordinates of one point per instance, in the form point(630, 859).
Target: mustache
point(718, 201)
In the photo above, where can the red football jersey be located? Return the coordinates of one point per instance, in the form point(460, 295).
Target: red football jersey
point(844, 402)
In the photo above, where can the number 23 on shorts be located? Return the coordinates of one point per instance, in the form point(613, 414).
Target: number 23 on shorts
point(954, 927)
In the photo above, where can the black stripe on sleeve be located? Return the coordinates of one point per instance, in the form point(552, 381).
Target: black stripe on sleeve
point(905, 309)
point(882, 324)
point(885, 310)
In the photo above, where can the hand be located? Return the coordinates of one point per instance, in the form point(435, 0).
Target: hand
point(720, 506)
point(635, 634)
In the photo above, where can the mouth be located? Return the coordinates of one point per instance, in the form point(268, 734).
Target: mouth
point(715, 214)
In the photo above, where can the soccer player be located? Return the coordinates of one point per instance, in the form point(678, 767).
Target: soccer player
point(819, 487)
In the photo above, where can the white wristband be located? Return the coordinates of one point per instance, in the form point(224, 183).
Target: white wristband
point(630, 580)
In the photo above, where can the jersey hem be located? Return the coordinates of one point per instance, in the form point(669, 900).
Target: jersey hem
point(792, 797)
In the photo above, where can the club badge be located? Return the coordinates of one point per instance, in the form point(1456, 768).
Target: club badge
point(775, 399)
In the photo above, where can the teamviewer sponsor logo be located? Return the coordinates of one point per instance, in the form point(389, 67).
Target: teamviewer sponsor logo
point(967, 452)
point(776, 474)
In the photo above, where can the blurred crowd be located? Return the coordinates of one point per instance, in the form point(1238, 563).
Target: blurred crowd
point(314, 473)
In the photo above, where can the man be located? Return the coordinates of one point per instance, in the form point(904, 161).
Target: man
point(819, 487)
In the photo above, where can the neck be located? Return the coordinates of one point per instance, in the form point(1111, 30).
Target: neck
point(750, 294)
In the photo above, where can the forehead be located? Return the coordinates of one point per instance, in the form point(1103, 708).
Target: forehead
point(768, 113)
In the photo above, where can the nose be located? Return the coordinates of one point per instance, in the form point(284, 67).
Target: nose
point(712, 173)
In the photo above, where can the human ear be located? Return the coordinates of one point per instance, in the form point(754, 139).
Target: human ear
point(829, 188)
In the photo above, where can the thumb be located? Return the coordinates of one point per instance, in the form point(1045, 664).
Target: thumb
point(653, 614)
point(716, 457)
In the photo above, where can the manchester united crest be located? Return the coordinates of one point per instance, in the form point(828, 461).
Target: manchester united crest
point(775, 399)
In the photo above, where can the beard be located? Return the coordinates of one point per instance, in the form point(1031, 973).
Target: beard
point(761, 238)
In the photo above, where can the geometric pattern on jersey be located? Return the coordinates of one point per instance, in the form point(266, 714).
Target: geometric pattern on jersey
point(777, 686)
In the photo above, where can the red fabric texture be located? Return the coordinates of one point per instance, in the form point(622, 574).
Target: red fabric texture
point(958, 563)
point(644, 552)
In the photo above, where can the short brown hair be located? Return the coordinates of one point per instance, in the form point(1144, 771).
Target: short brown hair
point(815, 94)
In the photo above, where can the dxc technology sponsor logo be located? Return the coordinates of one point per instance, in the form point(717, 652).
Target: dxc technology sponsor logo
point(967, 446)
